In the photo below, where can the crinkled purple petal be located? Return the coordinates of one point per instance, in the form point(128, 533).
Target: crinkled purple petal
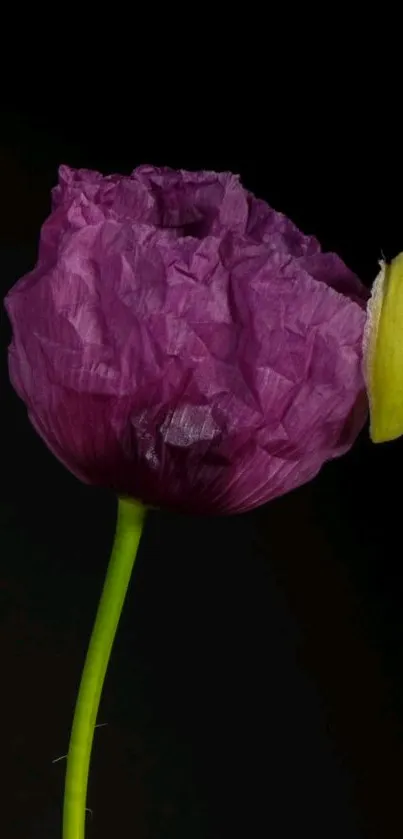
point(181, 342)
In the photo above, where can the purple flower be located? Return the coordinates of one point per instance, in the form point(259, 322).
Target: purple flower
point(182, 343)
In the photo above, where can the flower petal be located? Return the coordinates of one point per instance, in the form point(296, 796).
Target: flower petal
point(181, 342)
point(384, 353)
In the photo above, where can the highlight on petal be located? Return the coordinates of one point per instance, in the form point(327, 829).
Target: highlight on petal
point(383, 353)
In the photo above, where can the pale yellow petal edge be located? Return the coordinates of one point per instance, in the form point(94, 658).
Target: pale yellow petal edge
point(383, 352)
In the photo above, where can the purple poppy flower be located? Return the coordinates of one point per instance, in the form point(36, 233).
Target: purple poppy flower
point(182, 343)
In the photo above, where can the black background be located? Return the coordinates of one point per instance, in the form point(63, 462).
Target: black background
point(255, 684)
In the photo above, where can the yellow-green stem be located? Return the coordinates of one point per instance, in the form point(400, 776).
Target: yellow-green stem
point(129, 526)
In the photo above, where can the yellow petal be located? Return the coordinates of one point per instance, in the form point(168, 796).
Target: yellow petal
point(383, 353)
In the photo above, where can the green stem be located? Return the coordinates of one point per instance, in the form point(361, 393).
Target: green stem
point(127, 537)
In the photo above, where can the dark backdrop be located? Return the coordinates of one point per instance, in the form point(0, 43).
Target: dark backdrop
point(255, 684)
